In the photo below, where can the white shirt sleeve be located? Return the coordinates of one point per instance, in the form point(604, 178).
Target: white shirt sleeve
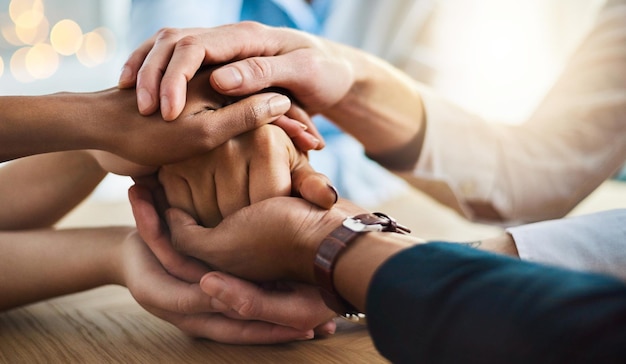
point(544, 167)
point(594, 242)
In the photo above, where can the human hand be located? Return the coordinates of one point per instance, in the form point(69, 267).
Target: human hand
point(230, 310)
point(207, 121)
point(234, 311)
point(317, 72)
point(254, 166)
point(112, 163)
point(275, 239)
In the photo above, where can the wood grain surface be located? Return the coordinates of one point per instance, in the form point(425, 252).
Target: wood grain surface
point(105, 325)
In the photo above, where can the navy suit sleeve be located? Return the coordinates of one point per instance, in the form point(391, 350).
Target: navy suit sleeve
point(447, 303)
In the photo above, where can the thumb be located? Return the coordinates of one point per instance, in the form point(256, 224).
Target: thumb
point(314, 187)
point(156, 238)
point(187, 236)
point(245, 115)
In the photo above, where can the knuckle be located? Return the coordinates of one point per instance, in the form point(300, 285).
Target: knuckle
point(176, 242)
point(253, 115)
point(191, 40)
point(184, 305)
point(251, 26)
point(167, 33)
point(248, 308)
point(260, 68)
point(147, 71)
point(266, 138)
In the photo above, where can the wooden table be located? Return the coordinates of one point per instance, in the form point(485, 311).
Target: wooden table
point(105, 325)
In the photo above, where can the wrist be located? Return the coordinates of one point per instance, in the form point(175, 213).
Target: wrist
point(336, 244)
point(319, 226)
point(99, 119)
point(384, 101)
point(119, 253)
point(503, 244)
point(356, 267)
point(320, 229)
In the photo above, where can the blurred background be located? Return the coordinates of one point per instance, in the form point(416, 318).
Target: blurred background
point(469, 51)
point(53, 45)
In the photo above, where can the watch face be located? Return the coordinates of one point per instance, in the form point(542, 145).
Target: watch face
point(374, 222)
point(358, 224)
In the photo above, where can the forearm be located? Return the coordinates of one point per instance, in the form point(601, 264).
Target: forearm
point(357, 265)
point(447, 303)
point(382, 109)
point(40, 124)
point(41, 264)
point(38, 190)
point(574, 140)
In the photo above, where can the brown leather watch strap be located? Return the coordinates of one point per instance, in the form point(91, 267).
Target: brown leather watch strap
point(325, 260)
point(332, 246)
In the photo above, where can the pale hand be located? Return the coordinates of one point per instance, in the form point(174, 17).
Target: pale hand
point(264, 56)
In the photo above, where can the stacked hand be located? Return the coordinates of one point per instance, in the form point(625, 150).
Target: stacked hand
point(252, 167)
point(221, 307)
point(314, 71)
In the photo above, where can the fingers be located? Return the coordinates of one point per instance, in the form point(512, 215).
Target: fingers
point(178, 190)
point(187, 236)
point(166, 293)
point(300, 307)
point(298, 133)
point(299, 114)
point(241, 332)
point(244, 115)
point(128, 77)
point(301, 129)
point(151, 231)
point(254, 74)
point(232, 183)
point(186, 57)
point(269, 170)
point(327, 328)
point(152, 72)
point(313, 186)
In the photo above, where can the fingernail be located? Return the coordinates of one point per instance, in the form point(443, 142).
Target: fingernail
point(144, 99)
point(166, 107)
point(279, 105)
point(308, 336)
point(212, 284)
point(332, 188)
point(227, 78)
point(302, 125)
point(316, 141)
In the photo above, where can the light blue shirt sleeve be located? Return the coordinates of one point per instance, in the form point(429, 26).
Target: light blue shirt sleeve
point(594, 242)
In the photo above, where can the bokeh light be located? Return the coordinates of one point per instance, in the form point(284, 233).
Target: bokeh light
point(41, 61)
point(34, 34)
point(66, 37)
point(18, 65)
point(8, 31)
point(32, 43)
point(93, 50)
point(31, 8)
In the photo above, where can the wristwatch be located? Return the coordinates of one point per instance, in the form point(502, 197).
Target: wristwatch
point(331, 248)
